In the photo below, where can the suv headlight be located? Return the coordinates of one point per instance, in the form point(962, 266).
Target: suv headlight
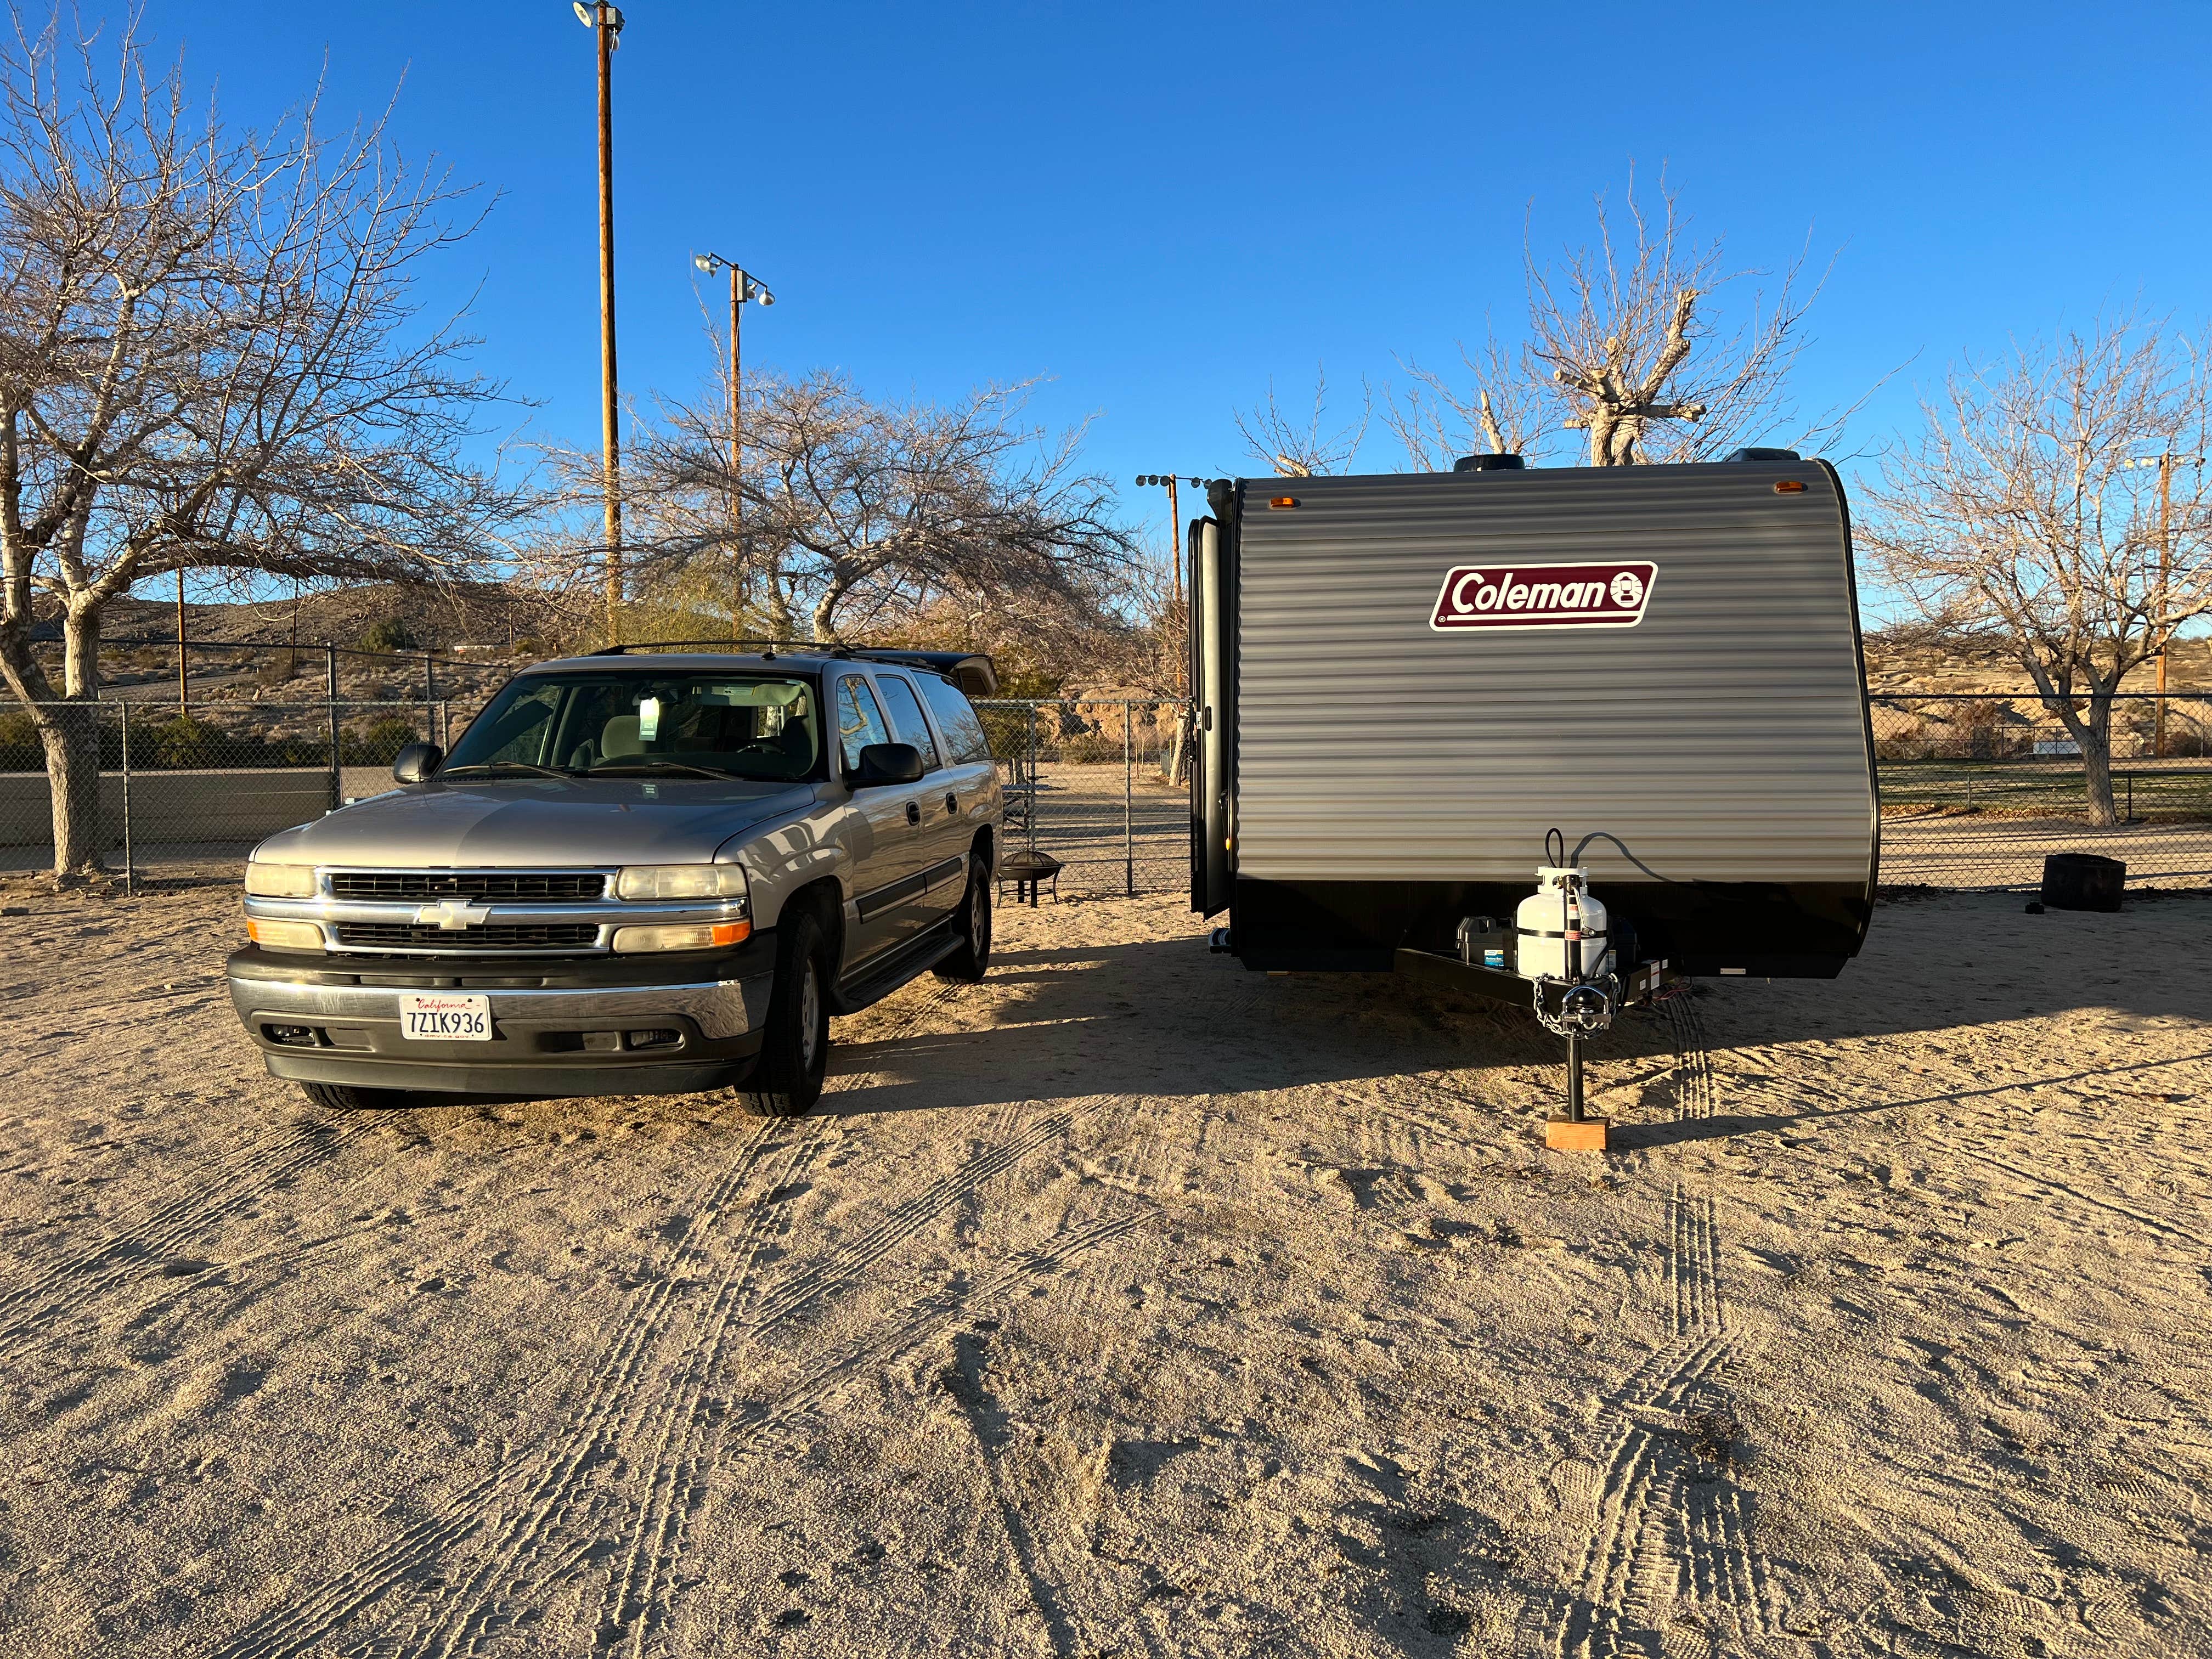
point(681, 881)
point(280, 880)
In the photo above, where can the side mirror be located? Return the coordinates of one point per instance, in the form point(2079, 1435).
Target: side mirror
point(417, 762)
point(885, 763)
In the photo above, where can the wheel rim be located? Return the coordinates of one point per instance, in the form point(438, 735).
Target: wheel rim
point(810, 1016)
point(979, 920)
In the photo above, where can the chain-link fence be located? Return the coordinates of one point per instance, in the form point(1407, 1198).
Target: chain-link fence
point(189, 789)
point(1976, 788)
point(186, 790)
point(1098, 785)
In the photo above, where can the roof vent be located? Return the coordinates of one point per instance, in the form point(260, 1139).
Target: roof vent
point(1489, 463)
point(1764, 455)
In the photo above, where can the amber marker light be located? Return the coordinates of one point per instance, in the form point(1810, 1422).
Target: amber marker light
point(1284, 501)
point(688, 936)
point(1789, 487)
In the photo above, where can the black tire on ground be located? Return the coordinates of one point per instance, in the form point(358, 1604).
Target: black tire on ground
point(973, 921)
point(787, 1078)
point(350, 1097)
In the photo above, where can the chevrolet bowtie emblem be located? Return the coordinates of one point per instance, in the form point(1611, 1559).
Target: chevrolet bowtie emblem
point(452, 915)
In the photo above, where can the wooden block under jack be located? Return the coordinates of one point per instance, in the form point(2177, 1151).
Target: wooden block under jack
point(1563, 1134)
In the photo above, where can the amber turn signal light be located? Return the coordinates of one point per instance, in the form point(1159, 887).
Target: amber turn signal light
point(1284, 501)
point(1789, 487)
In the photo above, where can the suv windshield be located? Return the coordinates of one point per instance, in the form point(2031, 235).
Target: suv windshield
point(696, 725)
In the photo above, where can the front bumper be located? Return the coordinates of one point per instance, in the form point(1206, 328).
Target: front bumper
point(619, 1026)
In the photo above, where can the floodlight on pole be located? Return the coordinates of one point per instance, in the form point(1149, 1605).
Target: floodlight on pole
point(743, 287)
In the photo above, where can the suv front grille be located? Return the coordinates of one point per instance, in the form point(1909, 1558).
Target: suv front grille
point(493, 935)
point(434, 884)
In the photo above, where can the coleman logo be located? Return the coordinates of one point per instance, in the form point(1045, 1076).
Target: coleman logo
point(1497, 596)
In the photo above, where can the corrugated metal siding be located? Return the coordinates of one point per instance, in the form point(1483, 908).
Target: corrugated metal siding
point(1723, 737)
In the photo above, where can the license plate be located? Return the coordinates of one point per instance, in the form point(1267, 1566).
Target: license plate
point(436, 1018)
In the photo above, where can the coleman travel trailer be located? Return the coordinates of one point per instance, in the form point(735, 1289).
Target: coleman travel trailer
point(1562, 736)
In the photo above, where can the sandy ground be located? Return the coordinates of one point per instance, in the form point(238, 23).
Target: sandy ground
point(1130, 1303)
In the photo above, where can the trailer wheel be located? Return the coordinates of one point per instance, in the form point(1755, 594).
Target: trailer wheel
point(972, 959)
point(787, 1078)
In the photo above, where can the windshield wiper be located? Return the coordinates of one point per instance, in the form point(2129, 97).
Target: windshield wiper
point(669, 766)
point(524, 767)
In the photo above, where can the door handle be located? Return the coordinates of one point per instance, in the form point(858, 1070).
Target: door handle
point(952, 803)
point(913, 812)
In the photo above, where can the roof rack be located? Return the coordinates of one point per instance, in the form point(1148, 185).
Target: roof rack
point(804, 647)
point(973, 672)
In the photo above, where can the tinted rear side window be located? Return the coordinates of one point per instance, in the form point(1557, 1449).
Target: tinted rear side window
point(905, 710)
point(963, 730)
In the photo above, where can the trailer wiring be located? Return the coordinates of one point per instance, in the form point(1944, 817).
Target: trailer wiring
point(1559, 861)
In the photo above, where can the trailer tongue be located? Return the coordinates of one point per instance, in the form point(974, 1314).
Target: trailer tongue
point(1406, 681)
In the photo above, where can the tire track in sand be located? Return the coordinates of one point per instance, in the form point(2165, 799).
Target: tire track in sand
point(1669, 1527)
point(540, 1500)
point(520, 1492)
point(234, 1181)
point(537, 1542)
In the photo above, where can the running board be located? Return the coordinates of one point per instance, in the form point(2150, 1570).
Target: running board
point(910, 962)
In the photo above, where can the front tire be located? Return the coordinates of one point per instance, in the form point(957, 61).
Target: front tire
point(351, 1098)
point(972, 959)
point(787, 1078)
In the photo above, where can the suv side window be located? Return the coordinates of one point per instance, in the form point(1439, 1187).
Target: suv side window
point(906, 719)
point(860, 722)
point(963, 731)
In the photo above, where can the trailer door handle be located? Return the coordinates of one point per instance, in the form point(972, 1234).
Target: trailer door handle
point(913, 812)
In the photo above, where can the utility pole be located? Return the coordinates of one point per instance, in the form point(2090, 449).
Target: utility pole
point(2164, 461)
point(1170, 481)
point(743, 287)
point(605, 23)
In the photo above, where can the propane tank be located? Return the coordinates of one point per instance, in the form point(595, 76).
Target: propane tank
point(1561, 905)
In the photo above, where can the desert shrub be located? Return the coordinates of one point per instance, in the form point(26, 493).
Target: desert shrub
point(20, 750)
point(181, 744)
point(1092, 749)
point(390, 633)
point(280, 667)
point(378, 742)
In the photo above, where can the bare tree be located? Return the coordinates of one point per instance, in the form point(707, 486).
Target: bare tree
point(1311, 450)
point(2020, 514)
point(1623, 343)
point(1501, 413)
point(859, 514)
point(1623, 332)
point(206, 363)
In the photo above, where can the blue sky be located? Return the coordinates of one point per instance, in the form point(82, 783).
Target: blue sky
point(1162, 207)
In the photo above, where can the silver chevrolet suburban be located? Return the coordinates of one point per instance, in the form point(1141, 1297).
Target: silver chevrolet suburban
point(637, 872)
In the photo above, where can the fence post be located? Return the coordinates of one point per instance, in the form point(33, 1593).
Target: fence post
point(129, 874)
point(429, 698)
point(1036, 801)
point(330, 653)
point(1128, 798)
